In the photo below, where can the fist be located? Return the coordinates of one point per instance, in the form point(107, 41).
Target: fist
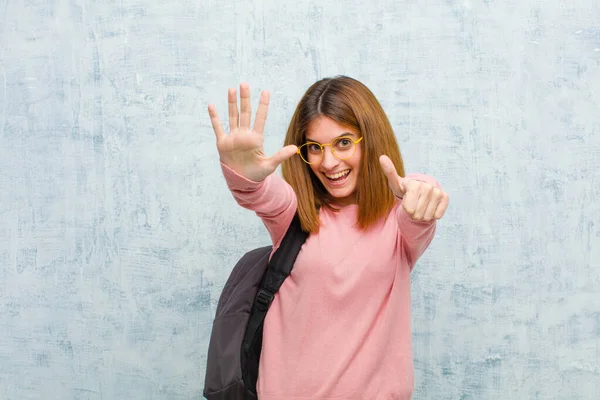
point(421, 200)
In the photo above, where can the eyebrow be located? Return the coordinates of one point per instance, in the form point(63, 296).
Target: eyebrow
point(342, 135)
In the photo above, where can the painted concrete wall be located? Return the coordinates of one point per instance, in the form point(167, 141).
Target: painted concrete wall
point(117, 231)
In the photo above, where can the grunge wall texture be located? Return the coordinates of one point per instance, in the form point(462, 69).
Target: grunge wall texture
point(117, 231)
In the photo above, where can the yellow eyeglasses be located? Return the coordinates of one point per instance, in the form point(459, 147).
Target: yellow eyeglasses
point(342, 148)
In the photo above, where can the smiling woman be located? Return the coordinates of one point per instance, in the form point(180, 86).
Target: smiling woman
point(338, 107)
point(339, 326)
point(338, 168)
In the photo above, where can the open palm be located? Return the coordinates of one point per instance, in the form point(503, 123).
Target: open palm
point(242, 148)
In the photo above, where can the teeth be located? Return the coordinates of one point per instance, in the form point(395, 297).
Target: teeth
point(338, 175)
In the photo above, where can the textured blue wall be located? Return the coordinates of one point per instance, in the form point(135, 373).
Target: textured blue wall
point(117, 231)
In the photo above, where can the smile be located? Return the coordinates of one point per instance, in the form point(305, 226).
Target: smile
point(337, 176)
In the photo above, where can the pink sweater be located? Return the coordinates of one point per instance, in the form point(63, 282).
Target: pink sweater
point(340, 326)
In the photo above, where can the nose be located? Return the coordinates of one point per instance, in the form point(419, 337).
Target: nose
point(329, 161)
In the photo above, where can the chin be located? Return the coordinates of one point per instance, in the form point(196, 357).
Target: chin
point(339, 195)
point(344, 196)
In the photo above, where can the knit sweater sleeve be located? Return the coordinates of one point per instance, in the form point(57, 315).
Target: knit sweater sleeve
point(415, 236)
point(273, 200)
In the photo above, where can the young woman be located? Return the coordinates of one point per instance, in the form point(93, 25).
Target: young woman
point(340, 325)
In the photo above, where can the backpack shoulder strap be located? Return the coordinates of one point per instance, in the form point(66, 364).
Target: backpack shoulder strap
point(278, 270)
point(281, 264)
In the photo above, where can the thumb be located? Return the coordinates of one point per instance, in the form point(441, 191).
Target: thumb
point(282, 155)
point(388, 167)
point(395, 181)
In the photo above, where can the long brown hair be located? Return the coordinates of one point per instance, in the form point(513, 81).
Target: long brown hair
point(351, 104)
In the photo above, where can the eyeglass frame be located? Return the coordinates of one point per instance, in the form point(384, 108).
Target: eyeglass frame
point(323, 145)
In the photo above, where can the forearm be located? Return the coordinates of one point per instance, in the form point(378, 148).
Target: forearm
point(272, 199)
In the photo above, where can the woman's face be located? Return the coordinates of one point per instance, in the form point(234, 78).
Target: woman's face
point(338, 176)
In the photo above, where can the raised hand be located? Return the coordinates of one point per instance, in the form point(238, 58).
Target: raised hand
point(421, 200)
point(242, 148)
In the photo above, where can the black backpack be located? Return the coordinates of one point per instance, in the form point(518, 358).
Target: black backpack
point(236, 337)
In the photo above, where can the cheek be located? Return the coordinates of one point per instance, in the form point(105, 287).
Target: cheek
point(356, 158)
point(314, 161)
point(314, 168)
